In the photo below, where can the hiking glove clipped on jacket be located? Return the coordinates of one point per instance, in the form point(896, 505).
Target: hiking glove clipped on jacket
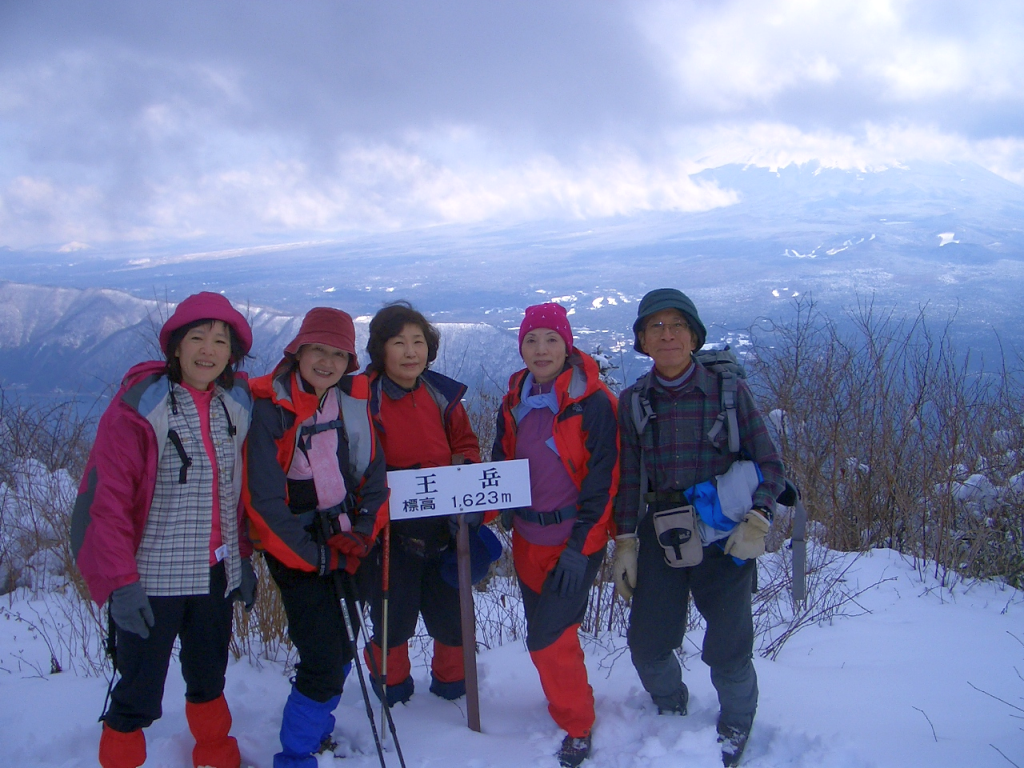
point(747, 539)
point(131, 610)
point(624, 565)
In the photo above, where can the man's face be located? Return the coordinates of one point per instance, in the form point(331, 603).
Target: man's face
point(670, 342)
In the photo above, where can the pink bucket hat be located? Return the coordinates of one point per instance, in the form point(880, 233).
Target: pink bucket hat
point(326, 325)
point(551, 316)
point(206, 306)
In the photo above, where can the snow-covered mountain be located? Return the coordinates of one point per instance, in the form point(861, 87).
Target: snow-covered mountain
point(945, 236)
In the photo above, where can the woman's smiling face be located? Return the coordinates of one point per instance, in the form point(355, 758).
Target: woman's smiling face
point(322, 366)
point(204, 353)
point(544, 353)
point(405, 356)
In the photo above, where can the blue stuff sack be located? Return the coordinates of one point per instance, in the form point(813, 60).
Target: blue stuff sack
point(484, 549)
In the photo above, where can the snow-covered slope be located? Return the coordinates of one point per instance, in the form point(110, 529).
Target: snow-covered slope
point(913, 675)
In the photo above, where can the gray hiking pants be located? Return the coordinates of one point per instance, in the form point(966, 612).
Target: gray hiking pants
point(657, 624)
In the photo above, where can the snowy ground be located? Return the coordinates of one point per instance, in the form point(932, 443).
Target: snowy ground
point(910, 681)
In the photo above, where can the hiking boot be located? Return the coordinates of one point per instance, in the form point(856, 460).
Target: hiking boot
point(450, 691)
point(327, 744)
point(574, 751)
point(733, 741)
point(396, 694)
point(674, 704)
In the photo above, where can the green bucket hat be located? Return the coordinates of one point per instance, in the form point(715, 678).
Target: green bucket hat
point(667, 298)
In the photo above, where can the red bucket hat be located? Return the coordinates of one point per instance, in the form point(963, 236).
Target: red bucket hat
point(206, 306)
point(326, 325)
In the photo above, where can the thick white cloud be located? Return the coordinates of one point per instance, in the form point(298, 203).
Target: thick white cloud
point(140, 119)
point(730, 56)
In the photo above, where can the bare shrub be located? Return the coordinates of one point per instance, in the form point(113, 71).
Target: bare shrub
point(262, 633)
point(888, 430)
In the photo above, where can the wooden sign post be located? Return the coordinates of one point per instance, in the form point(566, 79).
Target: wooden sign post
point(456, 490)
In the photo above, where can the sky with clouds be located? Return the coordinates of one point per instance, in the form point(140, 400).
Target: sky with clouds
point(261, 120)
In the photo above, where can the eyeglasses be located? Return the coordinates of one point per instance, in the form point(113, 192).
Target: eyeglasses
point(658, 329)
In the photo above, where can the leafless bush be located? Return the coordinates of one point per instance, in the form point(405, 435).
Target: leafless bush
point(43, 449)
point(262, 633)
point(891, 434)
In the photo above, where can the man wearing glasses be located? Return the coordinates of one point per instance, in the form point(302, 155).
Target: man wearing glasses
point(671, 541)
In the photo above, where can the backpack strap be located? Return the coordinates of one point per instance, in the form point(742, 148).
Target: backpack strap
point(186, 460)
point(305, 439)
point(642, 412)
point(727, 413)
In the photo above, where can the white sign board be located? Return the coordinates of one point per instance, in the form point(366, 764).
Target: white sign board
point(457, 489)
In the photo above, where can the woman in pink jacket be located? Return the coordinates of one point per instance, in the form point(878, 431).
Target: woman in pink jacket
point(156, 528)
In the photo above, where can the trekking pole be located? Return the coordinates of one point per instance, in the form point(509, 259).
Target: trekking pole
point(385, 581)
point(339, 592)
point(353, 592)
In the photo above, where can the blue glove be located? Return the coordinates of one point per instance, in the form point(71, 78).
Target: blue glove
point(568, 575)
point(131, 610)
point(246, 591)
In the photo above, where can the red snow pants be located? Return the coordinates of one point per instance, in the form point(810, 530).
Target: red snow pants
point(552, 622)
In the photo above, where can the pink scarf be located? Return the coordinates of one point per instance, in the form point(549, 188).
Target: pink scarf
point(316, 455)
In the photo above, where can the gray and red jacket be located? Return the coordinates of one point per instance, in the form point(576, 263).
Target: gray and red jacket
point(116, 492)
point(280, 406)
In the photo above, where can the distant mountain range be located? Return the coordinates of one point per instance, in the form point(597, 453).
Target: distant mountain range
point(81, 341)
point(949, 237)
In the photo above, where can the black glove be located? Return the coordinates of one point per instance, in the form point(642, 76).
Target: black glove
point(568, 575)
point(131, 610)
point(506, 517)
point(246, 591)
point(364, 522)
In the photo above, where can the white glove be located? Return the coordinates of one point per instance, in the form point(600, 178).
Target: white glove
point(747, 539)
point(624, 565)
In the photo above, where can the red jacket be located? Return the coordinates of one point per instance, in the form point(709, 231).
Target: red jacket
point(586, 434)
point(453, 424)
point(279, 407)
point(116, 491)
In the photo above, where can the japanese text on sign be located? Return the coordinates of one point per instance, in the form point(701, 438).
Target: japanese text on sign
point(459, 489)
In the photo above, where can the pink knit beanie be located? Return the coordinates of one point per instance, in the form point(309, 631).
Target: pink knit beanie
point(551, 316)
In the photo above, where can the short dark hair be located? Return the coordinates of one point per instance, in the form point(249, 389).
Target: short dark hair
point(388, 323)
point(227, 378)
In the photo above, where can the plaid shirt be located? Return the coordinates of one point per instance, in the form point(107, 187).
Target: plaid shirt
point(677, 451)
point(174, 555)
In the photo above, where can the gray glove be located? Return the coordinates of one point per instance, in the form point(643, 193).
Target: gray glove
point(246, 591)
point(568, 575)
point(130, 609)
